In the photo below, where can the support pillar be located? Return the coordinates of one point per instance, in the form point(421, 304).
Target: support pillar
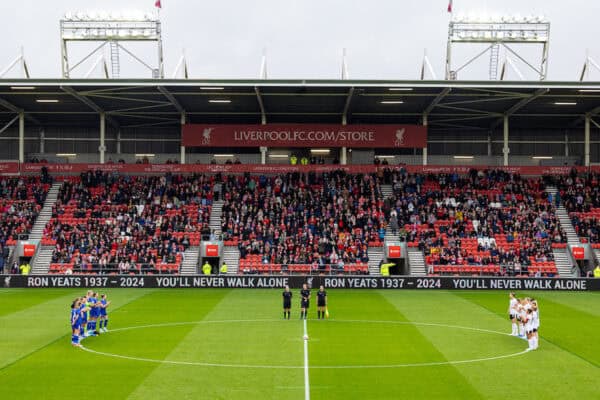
point(102, 147)
point(263, 155)
point(425, 148)
point(505, 148)
point(182, 148)
point(42, 141)
point(119, 142)
point(586, 141)
point(343, 156)
point(21, 137)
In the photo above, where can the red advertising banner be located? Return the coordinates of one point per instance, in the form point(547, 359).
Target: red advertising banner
point(304, 135)
point(28, 250)
point(9, 168)
point(578, 253)
point(69, 169)
point(212, 250)
point(394, 252)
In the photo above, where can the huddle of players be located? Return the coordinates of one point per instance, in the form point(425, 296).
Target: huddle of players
point(88, 316)
point(305, 302)
point(525, 317)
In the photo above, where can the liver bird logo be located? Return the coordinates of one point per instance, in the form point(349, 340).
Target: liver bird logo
point(400, 137)
point(206, 135)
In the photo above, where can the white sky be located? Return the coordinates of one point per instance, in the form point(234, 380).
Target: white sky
point(385, 39)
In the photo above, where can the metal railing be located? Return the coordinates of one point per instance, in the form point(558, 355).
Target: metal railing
point(361, 268)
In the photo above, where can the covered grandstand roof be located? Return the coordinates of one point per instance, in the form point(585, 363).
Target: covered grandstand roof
point(456, 105)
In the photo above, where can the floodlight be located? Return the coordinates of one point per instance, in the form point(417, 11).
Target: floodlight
point(495, 29)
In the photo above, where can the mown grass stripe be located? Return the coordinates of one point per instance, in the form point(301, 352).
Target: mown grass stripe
point(61, 337)
point(365, 343)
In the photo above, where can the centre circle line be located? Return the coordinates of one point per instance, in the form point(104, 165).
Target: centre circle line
point(258, 366)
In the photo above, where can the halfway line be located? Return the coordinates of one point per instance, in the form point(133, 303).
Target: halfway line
point(306, 383)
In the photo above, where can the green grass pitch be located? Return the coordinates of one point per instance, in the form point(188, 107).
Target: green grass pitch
point(233, 344)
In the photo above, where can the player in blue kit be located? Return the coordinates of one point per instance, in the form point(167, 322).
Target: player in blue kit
point(75, 318)
point(83, 303)
point(103, 315)
point(82, 312)
point(94, 313)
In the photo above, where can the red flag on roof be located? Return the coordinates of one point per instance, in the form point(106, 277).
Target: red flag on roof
point(157, 4)
point(449, 6)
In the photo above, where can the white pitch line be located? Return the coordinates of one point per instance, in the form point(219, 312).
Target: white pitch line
point(305, 366)
point(306, 382)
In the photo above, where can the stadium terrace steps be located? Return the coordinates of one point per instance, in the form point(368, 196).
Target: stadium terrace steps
point(9, 261)
point(376, 254)
point(416, 262)
point(565, 220)
point(40, 264)
point(597, 255)
point(189, 265)
point(564, 265)
point(215, 217)
point(567, 225)
point(46, 213)
point(391, 237)
point(386, 191)
point(231, 256)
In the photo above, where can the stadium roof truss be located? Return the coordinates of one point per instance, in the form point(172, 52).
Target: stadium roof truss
point(454, 105)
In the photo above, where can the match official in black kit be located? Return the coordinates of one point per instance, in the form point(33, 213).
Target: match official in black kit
point(321, 302)
point(304, 301)
point(287, 302)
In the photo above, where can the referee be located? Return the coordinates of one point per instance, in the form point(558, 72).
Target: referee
point(287, 302)
point(321, 302)
point(305, 301)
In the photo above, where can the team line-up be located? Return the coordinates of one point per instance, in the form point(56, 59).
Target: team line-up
point(89, 317)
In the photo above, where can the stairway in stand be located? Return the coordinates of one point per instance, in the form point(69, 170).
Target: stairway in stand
point(564, 220)
point(386, 191)
point(231, 256)
point(40, 264)
point(43, 257)
point(189, 265)
point(416, 262)
point(375, 256)
point(46, 213)
point(564, 264)
point(215, 217)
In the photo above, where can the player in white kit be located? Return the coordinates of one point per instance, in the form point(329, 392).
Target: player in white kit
point(513, 312)
point(536, 323)
point(529, 323)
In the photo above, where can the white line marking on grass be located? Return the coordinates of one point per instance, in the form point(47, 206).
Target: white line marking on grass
point(306, 383)
point(305, 366)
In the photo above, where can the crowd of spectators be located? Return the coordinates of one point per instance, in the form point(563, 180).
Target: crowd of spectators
point(21, 200)
point(130, 224)
point(322, 219)
point(486, 217)
point(581, 197)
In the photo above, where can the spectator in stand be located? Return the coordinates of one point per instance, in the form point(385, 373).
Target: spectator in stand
point(303, 218)
point(128, 223)
point(440, 212)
